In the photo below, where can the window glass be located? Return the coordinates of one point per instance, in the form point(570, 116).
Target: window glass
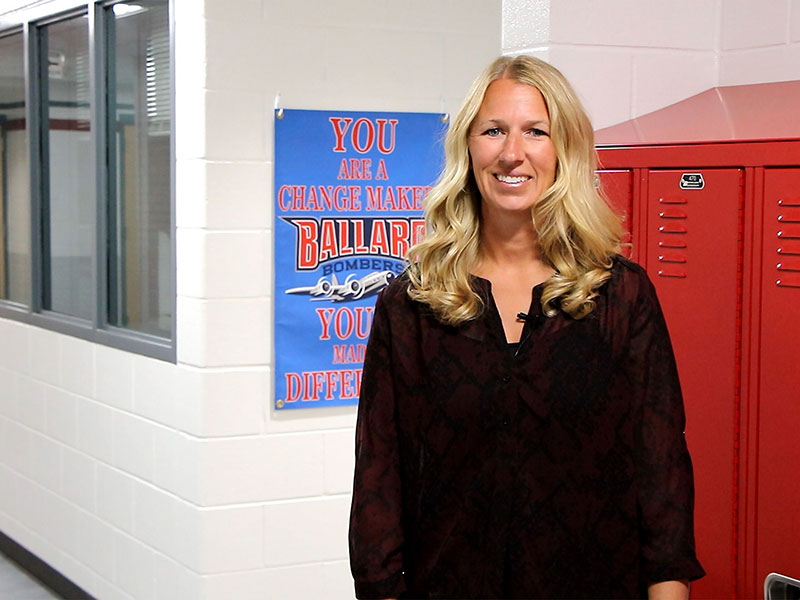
point(139, 123)
point(67, 179)
point(15, 219)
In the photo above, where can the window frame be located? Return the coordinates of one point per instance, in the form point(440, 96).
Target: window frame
point(97, 329)
point(14, 307)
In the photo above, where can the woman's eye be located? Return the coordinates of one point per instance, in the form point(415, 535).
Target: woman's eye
point(538, 132)
point(492, 132)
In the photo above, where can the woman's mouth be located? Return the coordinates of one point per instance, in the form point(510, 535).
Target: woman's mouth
point(511, 178)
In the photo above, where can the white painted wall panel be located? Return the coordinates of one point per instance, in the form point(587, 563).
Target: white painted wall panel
point(134, 566)
point(28, 397)
point(177, 464)
point(794, 21)
point(244, 585)
point(245, 186)
point(15, 352)
point(44, 355)
point(174, 580)
point(235, 62)
point(96, 541)
point(190, 126)
point(231, 263)
point(526, 24)
point(154, 390)
point(683, 24)
point(601, 77)
point(95, 429)
point(761, 65)
point(62, 416)
point(339, 461)
point(235, 125)
point(223, 539)
point(309, 581)
point(676, 49)
point(115, 498)
point(114, 377)
point(45, 465)
point(133, 445)
point(78, 479)
point(750, 24)
point(306, 531)
point(77, 366)
point(223, 402)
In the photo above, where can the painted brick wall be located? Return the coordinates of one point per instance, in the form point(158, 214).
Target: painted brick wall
point(760, 42)
point(141, 479)
point(630, 57)
point(284, 477)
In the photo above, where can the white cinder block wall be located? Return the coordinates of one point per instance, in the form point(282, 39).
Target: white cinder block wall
point(141, 479)
point(271, 490)
point(630, 57)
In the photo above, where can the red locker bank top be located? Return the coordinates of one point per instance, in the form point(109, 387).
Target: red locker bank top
point(740, 112)
point(710, 190)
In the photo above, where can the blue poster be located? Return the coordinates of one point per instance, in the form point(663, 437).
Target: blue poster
point(349, 188)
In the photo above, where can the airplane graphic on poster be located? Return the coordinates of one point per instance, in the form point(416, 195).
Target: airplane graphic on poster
point(352, 288)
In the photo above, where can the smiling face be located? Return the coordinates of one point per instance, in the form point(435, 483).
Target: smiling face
point(513, 158)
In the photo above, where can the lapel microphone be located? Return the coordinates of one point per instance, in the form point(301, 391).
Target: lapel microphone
point(532, 319)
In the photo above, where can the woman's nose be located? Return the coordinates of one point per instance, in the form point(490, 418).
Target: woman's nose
point(512, 149)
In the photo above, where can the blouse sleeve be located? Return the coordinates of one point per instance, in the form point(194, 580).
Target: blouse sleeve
point(376, 533)
point(664, 468)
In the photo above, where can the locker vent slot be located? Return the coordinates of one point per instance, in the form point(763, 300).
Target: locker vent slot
point(672, 273)
point(673, 213)
point(672, 257)
point(785, 282)
point(788, 269)
point(789, 213)
point(673, 200)
point(672, 244)
point(792, 267)
point(671, 228)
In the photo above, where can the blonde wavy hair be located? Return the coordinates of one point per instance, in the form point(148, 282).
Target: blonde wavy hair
point(578, 234)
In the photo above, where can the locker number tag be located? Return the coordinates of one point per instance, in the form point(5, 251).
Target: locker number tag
point(692, 181)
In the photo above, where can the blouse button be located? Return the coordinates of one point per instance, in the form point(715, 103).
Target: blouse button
point(506, 378)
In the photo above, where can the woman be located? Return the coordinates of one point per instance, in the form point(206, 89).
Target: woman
point(520, 429)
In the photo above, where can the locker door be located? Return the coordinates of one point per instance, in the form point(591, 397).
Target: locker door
point(778, 493)
point(617, 187)
point(693, 258)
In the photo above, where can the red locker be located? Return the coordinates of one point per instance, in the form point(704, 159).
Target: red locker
point(714, 210)
point(777, 543)
point(693, 257)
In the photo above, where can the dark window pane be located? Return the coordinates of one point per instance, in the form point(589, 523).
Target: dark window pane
point(68, 186)
point(139, 139)
point(15, 219)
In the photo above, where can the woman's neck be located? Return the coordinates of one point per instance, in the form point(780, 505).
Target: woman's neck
point(513, 265)
point(508, 246)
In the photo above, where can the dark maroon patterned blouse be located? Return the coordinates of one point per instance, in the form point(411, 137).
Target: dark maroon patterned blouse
point(559, 470)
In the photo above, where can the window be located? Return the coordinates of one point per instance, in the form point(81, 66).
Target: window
point(15, 218)
point(67, 207)
point(138, 146)
point(87, 217)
